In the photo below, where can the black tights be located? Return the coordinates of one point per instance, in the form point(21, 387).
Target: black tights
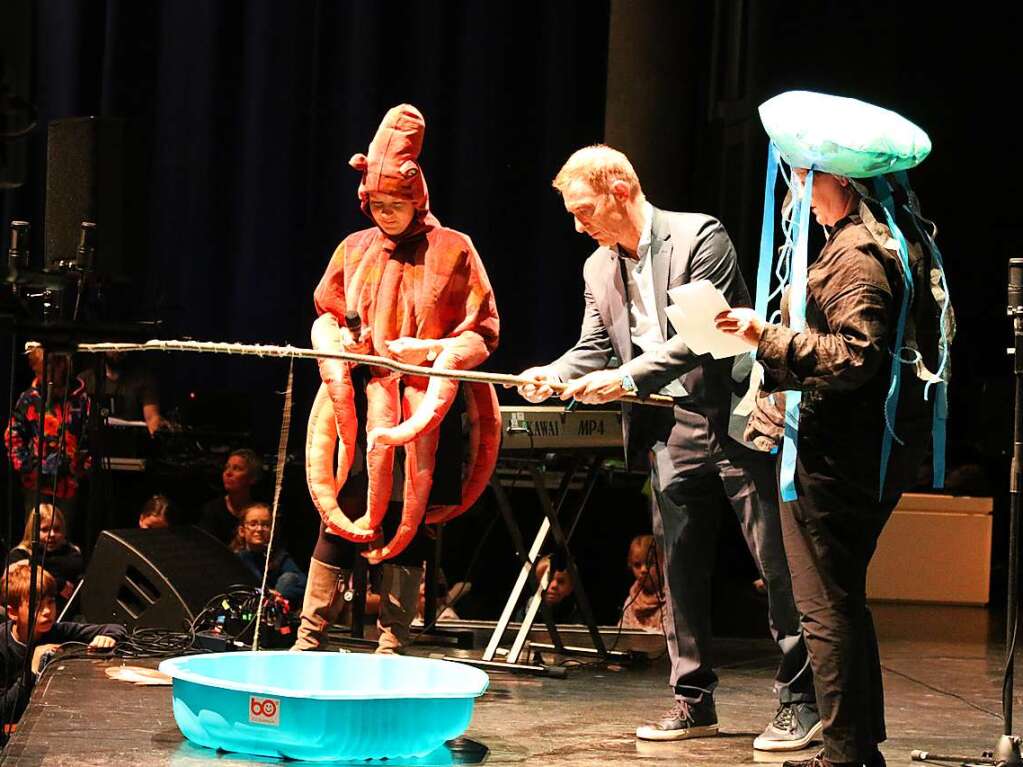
point(335, 551)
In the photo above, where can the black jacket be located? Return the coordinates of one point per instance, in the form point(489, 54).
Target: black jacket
point(13, 652)
point(684, 248)
point(842, 360)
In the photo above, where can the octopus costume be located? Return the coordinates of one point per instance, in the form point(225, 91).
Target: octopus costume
point(427, 283)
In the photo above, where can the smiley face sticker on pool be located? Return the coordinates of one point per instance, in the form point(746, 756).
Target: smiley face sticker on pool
point(264, 711)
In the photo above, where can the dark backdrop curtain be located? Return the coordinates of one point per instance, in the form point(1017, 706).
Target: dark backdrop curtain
point(247, 113)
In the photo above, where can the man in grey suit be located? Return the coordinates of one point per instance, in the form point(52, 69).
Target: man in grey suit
point(643, 253)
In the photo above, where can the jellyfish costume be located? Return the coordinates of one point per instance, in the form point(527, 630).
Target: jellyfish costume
point(868, 321)
point(874, 148)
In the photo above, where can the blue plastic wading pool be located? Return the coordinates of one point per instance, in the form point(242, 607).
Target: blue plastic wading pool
point(320, 706)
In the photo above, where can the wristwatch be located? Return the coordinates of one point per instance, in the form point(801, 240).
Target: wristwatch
point(628, 384)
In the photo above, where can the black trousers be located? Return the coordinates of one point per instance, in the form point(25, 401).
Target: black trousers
point(686, 515)
point(335, 551)
point(830, 533)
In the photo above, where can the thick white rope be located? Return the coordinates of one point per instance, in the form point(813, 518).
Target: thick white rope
point(263, 350)
point(282, 454)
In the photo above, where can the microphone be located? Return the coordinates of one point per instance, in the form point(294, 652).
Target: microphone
point(354, 324)
point(86, 246)
point(18, 251)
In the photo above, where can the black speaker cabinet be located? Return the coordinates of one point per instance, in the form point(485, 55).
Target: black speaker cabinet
point(157, 578)
point(85, 181)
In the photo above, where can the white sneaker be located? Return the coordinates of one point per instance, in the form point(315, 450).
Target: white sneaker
point(684, 720)
point(794, 727)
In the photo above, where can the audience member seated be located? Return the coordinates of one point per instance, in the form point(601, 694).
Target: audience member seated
point(157, 513)
point(284, 576)
point(65, 455)
point(49, 635)
point(62, 559)
point(221, 516)
point(558, 595)
point(645, 603)
point(130, 390)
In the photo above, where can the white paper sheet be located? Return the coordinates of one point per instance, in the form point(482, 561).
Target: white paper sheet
point(113, 421)
point(696, 305)
point(138, 675)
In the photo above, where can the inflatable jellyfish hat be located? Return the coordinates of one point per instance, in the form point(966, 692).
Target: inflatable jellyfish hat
point(851, 138)
point(842, 136)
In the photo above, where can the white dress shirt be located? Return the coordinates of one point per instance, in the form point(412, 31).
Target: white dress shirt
point(644, 326)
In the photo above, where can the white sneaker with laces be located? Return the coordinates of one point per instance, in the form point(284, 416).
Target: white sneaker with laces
point(684, 720)
point(794, 727)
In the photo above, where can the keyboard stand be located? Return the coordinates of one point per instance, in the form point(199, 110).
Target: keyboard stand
point(591, 465)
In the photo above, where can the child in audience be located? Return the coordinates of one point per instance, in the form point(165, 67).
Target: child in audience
point(560, 586)
point(645, 603)
point(285, 577)
point(156, 513)
point(62, 559)
point(558, 595)
point(49, 635)
point(222, 516)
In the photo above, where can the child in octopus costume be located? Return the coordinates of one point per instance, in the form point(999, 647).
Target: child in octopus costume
point(421, 296)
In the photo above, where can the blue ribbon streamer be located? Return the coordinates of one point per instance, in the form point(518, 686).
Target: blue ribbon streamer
point(797, 322)
point(767, 235)
point(891, 404)
point(938, 433)
point(764, 269)
point(939, 420)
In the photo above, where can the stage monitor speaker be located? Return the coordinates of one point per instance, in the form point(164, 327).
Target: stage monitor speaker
point(157, 578)
point(85, 181)
point(17, 113)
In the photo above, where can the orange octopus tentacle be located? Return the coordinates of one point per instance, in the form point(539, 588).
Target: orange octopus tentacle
point(337, 377)
point(484, 413)
point(384, 316)
point(461, 353)
point(420, 458)
point(321, 439)
point(383, 405)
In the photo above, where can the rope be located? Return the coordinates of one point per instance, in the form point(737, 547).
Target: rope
point(264, 350)
point(282, 453)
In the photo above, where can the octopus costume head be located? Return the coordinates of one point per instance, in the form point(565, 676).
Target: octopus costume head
point(426, 283)
point(391, 164)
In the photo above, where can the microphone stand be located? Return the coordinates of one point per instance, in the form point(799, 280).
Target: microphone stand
point(1007, 750)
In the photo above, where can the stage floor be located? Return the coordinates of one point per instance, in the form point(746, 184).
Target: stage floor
point(942, 680)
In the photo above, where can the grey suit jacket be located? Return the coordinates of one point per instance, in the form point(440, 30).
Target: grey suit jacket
point(684, 247)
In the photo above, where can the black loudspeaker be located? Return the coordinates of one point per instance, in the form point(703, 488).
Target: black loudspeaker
point(85, 181)
point(17, 114)
point(157, 578)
